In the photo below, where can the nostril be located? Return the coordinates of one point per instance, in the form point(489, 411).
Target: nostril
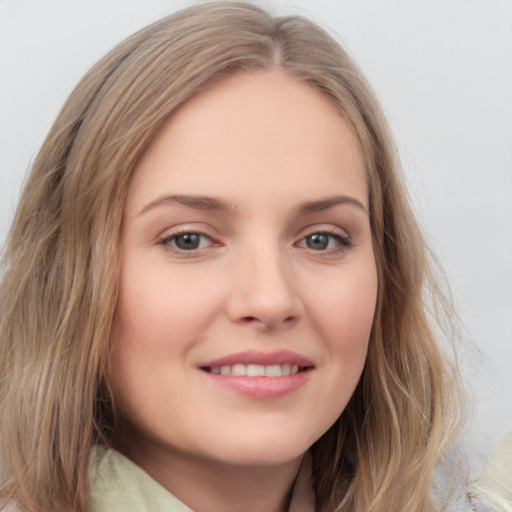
point(249, 319)
point(268, 323)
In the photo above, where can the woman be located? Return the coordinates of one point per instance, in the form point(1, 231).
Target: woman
point(215, 290)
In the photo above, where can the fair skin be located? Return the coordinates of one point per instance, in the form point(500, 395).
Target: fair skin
point(246, 247)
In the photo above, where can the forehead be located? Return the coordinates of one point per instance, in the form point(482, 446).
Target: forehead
point(253, 136)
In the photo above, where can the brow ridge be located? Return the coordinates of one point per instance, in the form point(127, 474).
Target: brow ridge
point(198, 202)
point(208, 203)
point(329, 202)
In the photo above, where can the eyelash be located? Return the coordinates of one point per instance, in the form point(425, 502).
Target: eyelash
point(343, 242)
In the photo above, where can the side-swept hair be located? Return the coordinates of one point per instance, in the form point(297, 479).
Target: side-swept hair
point(61, 268)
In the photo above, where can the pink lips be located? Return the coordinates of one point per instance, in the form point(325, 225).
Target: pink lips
point(261, 387)
point(266, 359)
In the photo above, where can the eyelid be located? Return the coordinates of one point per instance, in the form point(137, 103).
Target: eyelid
point(327, 229)
point(186, 227)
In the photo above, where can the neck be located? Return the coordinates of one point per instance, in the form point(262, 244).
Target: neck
point(206, 485)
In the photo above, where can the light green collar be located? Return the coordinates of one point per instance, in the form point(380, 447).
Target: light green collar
point(118, 485)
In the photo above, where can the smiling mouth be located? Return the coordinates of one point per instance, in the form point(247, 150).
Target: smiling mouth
point(256, 370)
point(260, 375)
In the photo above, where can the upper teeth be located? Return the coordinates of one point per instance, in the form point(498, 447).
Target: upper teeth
point(255, 370)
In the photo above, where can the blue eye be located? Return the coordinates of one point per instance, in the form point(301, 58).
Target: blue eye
point(187, 241)
point(317, 241)
point(325, 242)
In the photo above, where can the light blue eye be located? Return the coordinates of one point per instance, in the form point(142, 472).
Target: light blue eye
point(187, 241)
point(318, 241)
point(326, 242)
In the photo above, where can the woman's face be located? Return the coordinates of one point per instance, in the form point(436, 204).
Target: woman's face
point(248, 282)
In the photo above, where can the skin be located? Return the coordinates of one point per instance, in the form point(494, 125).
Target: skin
point(265, 145)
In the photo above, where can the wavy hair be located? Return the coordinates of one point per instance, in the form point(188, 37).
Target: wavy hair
point(61, 267)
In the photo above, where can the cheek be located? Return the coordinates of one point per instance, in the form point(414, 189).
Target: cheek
point(159, 310)
point(155, 327)
point(343, 316)
point(343, 312)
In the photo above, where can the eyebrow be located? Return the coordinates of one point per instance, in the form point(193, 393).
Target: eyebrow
point(197, 202)
point(328, 202)
point(208, 203)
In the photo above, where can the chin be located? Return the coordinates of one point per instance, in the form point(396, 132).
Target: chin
point(259, 450)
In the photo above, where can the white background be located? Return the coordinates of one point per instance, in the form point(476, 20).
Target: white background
point(443, 71)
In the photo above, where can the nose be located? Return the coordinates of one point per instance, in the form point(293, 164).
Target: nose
point(264, 291)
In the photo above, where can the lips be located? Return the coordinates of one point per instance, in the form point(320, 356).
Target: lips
point(259, 374)
point(249, 357)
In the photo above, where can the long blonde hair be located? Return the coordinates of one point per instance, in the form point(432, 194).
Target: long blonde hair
point(59, 289)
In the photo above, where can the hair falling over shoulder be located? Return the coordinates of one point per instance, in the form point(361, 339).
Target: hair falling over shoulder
point(60, 271)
